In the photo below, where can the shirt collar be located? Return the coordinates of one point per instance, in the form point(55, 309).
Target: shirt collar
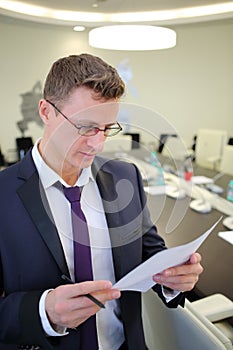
point(49, 177)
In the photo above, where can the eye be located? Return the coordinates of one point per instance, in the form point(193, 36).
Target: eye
point(88, 130)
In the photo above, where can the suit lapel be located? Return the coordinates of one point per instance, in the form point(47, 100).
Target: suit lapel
point(124, 227)
point(34, 199)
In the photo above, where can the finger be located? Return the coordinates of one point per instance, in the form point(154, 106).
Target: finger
point(78, 289)
point(195, 258)
point(178, 278)
point(187, 268)
point(81, 301)
point(105, 295)
point(184, 270)
point(180, 283)
point(76, 310)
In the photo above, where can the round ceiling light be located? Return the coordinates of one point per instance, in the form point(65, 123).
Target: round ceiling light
point(132, 37)
point(79, 28)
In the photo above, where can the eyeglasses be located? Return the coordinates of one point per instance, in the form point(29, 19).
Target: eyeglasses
point(90, 130)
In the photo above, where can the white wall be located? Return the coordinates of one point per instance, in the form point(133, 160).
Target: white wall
point(191, 84)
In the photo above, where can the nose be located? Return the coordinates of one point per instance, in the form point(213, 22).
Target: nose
point(96, 141)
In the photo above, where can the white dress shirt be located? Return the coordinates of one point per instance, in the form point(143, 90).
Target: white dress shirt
point(109, 327)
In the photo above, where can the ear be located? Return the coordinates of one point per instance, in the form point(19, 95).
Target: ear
point(44, 110)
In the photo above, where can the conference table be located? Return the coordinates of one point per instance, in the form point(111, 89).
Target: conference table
point(217, 254)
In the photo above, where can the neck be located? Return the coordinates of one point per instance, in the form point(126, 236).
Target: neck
point(70, 178)
point(67, 172)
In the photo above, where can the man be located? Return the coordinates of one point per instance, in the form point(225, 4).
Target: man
point(38, 308)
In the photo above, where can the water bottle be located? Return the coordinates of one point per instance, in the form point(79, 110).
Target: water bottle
point(154, 161)
point(230, 191)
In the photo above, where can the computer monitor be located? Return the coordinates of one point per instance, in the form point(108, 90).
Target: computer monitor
point(23, 145)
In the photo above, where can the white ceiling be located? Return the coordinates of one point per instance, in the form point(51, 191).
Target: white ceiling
point(121, 5)
point(109, 7)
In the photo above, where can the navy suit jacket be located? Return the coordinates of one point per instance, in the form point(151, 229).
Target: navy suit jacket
point(32, 259)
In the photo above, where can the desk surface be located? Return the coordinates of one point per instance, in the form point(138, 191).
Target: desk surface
point(217, 254)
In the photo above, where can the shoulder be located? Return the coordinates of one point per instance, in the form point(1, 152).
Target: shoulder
point(117, 170)
point(21, 171)
point(111, 163)
point(9, 171)
point(116, 166)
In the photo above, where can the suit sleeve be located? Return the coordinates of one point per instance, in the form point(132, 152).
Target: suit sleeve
point(28, 315)
point(19, 297)
point(18, 312)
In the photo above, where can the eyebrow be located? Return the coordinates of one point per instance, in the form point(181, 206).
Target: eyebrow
point(85, 122)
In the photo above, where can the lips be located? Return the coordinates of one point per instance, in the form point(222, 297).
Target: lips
point(88, 154)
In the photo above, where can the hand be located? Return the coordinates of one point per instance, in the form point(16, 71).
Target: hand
point(67, 307)
point(183, 277)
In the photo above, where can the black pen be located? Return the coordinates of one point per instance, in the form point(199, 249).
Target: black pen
point(89, 296)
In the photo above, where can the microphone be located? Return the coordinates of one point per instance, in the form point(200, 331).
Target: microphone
point(175, 186)
point(179, 183)
point(228, 223)
point(213, 187)
point(175, 192)
point(200, 205)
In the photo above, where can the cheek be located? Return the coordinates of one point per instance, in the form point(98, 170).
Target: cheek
point(75, 146)
point(100, 147)
point(67, 136)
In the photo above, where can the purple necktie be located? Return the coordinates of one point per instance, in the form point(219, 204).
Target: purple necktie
point(82, 261)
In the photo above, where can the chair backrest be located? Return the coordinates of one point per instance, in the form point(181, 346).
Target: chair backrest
point(226, 165)
point(209, 147)
point(179, 329)
point(174, 148)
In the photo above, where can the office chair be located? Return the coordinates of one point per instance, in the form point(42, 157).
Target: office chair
point(209, 147)
point(135, 139)
point(162, 141)
point(172, 146)
point(179, 329)
point(217, 308)
point(226, 164)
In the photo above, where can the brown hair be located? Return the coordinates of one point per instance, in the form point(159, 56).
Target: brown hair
point(73, 71)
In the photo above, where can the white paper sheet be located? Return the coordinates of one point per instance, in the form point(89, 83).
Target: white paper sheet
point(227, 236)
point(140, 279)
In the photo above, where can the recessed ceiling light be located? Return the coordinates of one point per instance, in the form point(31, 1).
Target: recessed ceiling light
point(79, 28)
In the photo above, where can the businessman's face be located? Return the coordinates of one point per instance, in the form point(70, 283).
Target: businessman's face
point(62, 145)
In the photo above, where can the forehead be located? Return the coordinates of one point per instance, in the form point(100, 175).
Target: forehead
point(83, 97)
point(84, 104)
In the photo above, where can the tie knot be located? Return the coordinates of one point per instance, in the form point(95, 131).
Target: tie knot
point(73, 194)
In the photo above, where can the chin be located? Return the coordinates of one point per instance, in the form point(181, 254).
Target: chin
point(85, 162)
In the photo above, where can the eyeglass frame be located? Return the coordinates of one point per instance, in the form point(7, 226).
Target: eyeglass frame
point(96, 129)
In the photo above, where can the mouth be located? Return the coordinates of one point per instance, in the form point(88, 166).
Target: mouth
point(88, 155)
